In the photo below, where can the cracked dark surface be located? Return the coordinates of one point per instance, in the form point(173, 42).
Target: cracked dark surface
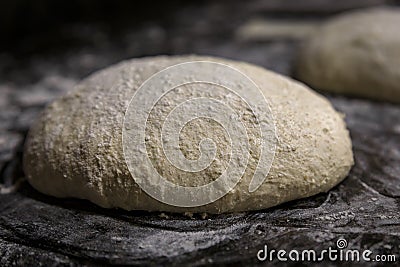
point(39, 230)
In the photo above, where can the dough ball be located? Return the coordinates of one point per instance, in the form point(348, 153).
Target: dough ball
point(76, 149)
point(357, 53)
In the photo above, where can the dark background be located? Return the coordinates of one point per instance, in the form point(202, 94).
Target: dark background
point(48, 46)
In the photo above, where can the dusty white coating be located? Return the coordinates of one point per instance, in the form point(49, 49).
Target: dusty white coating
point(357, 53)
point(75, 148)
point(207, 90)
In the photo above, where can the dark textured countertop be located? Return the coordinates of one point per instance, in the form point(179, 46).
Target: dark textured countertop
point(39, 230)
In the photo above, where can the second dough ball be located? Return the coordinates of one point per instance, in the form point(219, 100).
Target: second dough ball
point(357, 53)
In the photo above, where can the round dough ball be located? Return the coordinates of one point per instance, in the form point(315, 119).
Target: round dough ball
point(357, 53)
point(75, 149)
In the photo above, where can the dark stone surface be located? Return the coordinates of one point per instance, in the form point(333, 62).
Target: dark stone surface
point(37, 230)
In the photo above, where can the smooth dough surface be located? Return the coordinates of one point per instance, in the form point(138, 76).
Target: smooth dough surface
point(75, 148)
point(357, 53)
